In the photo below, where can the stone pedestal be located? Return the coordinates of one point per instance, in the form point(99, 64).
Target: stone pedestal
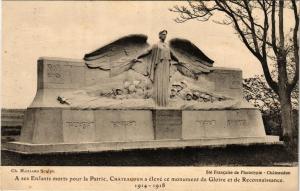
point(167, 124)
point(66, 130)
point(51, 127)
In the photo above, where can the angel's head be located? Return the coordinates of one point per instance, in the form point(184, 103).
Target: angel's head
point(163, 35)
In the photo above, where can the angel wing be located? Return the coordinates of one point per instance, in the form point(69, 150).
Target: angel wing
point(192, 60)
point(118, 56)
point(180, 67)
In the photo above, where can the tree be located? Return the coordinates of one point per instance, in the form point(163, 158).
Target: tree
point(257, 92)
point(260, 26)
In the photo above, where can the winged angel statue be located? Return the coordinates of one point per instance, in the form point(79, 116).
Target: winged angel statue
point(133, 52)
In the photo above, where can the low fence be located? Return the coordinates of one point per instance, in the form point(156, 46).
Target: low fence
point(11, 124)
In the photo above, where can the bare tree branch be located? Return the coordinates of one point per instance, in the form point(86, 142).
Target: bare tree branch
point(237, 27)
point(247, 6)
point(273, 20)
point(265, 29)
point(296, 46)
point(259, 36)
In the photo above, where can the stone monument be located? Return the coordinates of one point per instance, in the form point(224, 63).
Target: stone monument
point(129, 95)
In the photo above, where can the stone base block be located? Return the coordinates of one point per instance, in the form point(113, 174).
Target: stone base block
point(52, 125)
point(28, 148)
point(48, 130)
point(222, 124)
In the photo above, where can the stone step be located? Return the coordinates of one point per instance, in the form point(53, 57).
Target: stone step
point(11, 123)
point(27, 148)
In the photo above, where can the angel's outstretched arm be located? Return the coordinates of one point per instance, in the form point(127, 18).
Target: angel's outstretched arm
point(173, 57)
point(145, 53)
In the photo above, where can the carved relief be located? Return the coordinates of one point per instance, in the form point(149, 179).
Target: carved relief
point(54, 73)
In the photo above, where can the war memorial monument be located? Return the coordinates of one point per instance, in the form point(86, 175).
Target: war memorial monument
point(132, 95)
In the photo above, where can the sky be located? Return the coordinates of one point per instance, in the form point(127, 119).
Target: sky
point(70, 29)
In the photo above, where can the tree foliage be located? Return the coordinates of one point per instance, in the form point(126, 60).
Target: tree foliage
point(257, 92)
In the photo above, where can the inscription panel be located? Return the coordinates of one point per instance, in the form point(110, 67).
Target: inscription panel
point(203, 124)
point(78, 126)
point(226, 123)
point(245, 122)
point(124, 125)
point(237, 123)
point(60, 73)
point(206, 123)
